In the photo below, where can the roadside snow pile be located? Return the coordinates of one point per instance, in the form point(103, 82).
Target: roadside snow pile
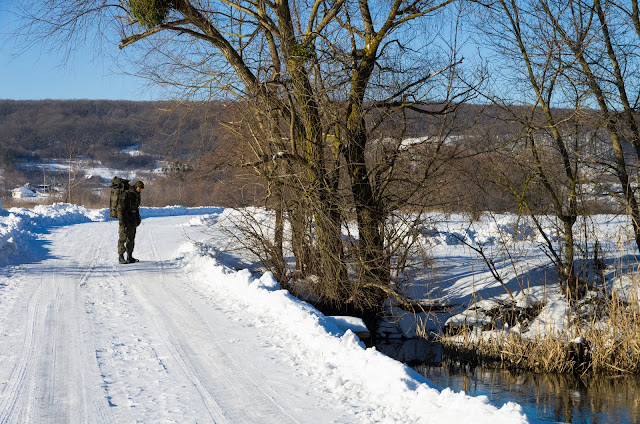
point(383, 389)
point(12, 237)
point(58, 214)
point(19, 225)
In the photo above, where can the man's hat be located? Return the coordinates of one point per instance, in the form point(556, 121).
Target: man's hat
point(139, 184)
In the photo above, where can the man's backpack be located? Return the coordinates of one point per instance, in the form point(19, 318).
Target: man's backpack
point(118, 187)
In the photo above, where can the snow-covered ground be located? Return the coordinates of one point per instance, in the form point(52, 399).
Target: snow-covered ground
point(182, 337)
point(92, 168)
point(521, 259)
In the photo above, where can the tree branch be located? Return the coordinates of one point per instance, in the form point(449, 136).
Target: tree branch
point(168, 26)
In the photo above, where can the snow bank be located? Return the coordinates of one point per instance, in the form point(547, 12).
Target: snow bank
point(385, 390)
point(12, 238)
point(20, 225)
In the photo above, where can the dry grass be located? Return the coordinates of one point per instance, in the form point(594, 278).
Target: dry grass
point(539, 354)
point(615, 343)
point(609, 341)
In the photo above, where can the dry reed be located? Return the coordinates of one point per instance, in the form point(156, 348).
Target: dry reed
point(605, 340)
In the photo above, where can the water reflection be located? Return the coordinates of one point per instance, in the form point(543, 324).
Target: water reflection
point(547, 397)
point(411, 351)
point(544, 397)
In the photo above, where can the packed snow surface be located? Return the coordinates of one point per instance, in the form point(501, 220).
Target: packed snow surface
point(182, 337)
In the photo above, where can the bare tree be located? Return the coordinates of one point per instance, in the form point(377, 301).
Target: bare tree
point(542, 141)
point(586, 28)
point(323, 74)
point(73, 149)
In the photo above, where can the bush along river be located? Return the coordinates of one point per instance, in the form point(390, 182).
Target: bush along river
point(543, 397)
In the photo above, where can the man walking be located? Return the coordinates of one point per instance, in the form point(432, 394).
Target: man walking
point(129, 216)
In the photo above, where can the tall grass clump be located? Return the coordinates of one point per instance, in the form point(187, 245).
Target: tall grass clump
point(614, 341)
point(601, 335)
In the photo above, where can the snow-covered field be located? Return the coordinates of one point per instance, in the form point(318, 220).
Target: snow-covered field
point(182, 337)
point(91, 168)
point(521, 259)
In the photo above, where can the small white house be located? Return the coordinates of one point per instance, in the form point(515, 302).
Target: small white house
point(22, 192)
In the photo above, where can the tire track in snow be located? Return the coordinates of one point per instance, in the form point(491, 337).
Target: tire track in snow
point(93, 405)
point(21, 379)
point(48, 381)
point(134, 378)
point(244, 396)
point(175, 349)
point(142, 336)
point(205, 360)
point(25, 394)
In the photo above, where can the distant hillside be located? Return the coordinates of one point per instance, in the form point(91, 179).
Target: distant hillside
point(103, 130)
point(33, 131)
point(36, 136)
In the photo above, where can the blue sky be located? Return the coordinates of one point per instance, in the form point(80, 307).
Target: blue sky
point(40, 73)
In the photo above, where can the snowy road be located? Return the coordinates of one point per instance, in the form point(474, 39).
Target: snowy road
point(181, 338)
point(84, 339)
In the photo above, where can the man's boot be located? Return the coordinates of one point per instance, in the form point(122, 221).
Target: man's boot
point(121, 258)
point(131, 259)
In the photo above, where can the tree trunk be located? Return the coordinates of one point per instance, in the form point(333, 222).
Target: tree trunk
point(279, 265)
point(299, 241)
point(373, 261)
point(623, 177)
point(621, 166)
point(573, 288)
point(609, 123)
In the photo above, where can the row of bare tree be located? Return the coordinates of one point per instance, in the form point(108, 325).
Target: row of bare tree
point(326, 91)
point(575, 66)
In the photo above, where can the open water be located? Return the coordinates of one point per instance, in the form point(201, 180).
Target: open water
point(543, 397)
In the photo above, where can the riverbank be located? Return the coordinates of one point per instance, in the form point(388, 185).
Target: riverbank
point(599, 334)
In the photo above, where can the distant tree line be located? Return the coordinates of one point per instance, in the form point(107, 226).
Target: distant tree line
point(31, 131)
